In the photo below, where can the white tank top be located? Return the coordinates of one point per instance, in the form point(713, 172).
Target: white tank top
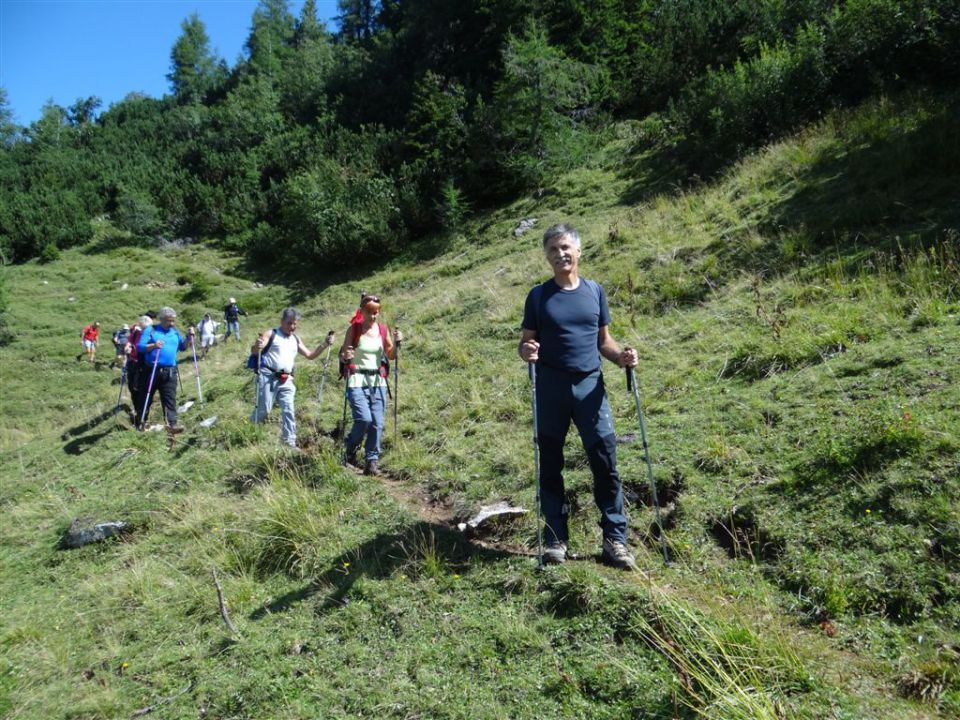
point(282, 352)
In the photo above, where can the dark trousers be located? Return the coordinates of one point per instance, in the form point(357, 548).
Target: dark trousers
point(561, 397)
point(165, 382)
point(134, 370)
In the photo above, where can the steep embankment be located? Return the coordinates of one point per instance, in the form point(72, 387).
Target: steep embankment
point(798, 326)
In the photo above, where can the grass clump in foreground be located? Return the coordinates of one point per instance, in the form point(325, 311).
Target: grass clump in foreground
point(797, 371)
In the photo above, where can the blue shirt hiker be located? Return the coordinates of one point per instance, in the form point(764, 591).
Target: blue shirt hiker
point(173, 342)
point(158, 346)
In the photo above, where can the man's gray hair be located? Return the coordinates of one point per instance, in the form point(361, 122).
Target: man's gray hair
point(561, 230)
point(291, 313)
point(166, 312)
point(146, 320)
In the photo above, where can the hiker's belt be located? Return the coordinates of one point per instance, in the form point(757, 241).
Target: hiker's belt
point(275, 371)
point(366, 371)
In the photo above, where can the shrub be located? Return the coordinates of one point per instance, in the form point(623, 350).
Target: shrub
point(137, 213)
point(49, 253)
point(338, 213)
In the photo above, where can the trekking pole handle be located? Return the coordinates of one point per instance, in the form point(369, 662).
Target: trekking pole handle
point(629, 372)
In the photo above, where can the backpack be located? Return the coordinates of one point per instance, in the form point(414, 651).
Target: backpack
point(253, 362)
point(356, 328)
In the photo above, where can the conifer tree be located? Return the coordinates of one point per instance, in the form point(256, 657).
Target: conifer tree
point(194, 69)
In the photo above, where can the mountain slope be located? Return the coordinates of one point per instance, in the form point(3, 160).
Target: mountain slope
point(797, 321)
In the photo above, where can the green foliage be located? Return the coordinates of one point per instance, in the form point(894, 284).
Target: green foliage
point(200, 290)
point(137, 213)
point(536, 105)
point(470, 103)
point(777, 90)
point(336, 213)
point(49, 253)
point(40, 218)
point(840, 56)
point(453, 206)
point(194, 69)
point(8, 128)
point(6, 336)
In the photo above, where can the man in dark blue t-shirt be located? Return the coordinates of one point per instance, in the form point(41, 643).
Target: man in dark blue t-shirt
point(565, 332)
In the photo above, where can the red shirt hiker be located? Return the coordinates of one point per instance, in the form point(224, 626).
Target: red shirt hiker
point(91, 332)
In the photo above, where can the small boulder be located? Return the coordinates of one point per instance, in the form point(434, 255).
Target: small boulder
point(524, 226)
point(84, 531)
point(491, 515)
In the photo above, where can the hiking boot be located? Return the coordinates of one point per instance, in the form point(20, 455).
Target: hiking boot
point(372, 468)
point(555, 553)
point(174, 429)
point(617, 554)
point(350, 460)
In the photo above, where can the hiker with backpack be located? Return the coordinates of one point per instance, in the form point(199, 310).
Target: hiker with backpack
point(272, 357)
point(120, 344)
point(565, 332)
point(364, 361)
point(135, 367)
point(231, 314)
point(159, 345)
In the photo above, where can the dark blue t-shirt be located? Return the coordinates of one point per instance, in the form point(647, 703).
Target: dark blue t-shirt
point(567, 323)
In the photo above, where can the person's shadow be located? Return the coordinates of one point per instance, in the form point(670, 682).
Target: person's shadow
point(411, 549)
point(81, 444)
point(88, 425)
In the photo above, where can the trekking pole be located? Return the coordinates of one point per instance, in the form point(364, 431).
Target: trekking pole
point(179, 381)
point(343, 421)
point(196, 369)
point(396, 387)
point(256, 386)
point(326, 366)
point(146, 398)
point(536, 460)
point(632, 385)
point(123, 378)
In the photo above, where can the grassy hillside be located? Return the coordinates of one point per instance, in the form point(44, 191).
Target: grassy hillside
point(798, 322)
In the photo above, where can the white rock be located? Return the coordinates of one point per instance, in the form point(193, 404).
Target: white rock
point(491, 512)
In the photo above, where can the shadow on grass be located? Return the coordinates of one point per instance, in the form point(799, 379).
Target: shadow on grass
point(887, 181)
point(884, 184)
point(417, 549)
point(90, 424)
point(82, 444)
point(654, 172)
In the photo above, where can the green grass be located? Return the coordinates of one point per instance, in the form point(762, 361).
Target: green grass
point(798, 322)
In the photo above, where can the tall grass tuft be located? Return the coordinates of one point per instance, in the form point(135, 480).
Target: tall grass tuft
point(294, 522)
point(726, 668)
